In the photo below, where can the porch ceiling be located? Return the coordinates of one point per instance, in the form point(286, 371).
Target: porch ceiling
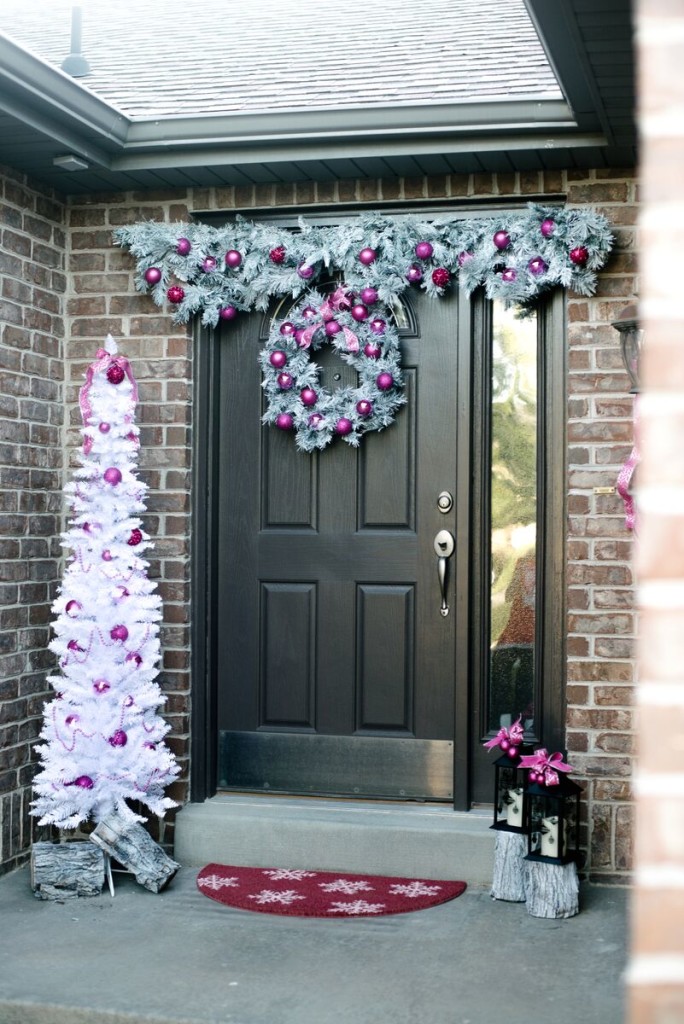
point(518, 123)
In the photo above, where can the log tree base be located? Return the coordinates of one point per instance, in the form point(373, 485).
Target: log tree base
point(552, 889)
point(128, 843)
point(508, 880)
point(66, 870)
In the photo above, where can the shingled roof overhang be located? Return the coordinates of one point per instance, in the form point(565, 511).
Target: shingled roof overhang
point(46, 114)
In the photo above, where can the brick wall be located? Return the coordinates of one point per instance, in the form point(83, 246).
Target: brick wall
point(32, 287)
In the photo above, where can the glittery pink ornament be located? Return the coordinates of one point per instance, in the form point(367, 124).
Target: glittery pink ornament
point(343, 426)
point(284, 421)
point(308, 396)
point(118, 738)
point(285, 381)
point(369, 296)
point(424, 250)
point(72, 608)
point(119, 633)
point(384, 381)
point(115, 374)
point(359, 311)
point(112, 476)
point(83, 781)
point(501, 240)
point(134, 657)
point(378, 326)
point(278, 358)
point(227, 312)
point(537, 266)
point(368, 256)
point(101, 686)
point(175, 294)
point(208, 264)
point(305, 272)
point(153, 275)
point(287, 329)
point(548, 226)
point(372, 350)
point(183, 246)
point(509, 275)
point(414, 274)
point(135, 537)
point(364, 407)
point(332, 327)
point(107, 555)
point(441, 277)
point(277, 255)
point(579, 256)
point(104, 428)
point(233, 259)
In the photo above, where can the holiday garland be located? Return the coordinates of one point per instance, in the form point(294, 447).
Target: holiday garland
point(216, 273)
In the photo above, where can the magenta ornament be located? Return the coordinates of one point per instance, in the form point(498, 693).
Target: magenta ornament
point(308, 312)
point(115, 374)
point(149, 746)
point(509, 275)
point(278, 358)
point(368, 256)
point(414, 274)
point(227, 312)
point(277, 255)
point(372, 350)
point(441, 277)
point(332, 327)
point(112, 476)
point(284, 421)
point(285, 381)
point(134, 659)
point(208, 264)
point(579, 256)
point(537, 266)
point(71, 719)
point(501, 240)
point(129, 701)
point(72, 608)
point(369, 296)
point(119, 632)
point(83, 782)
point(153, 275)
point(175, 294)
point(384, 381)
point(118, 738)
point(364, 407)
point(424, 250)
point(504, 743)
point(343, 426)
point(74, 645)
point(287, 329)
point(308, 396)
point(465, 257)
point(101, 686)
point(305, 272)
point(233, 259)
point(359, 311)
point(513, 752)
point(120, 592)
point(104, 428)
point(135, 537)
point(183, 246)
point(378, 325)
point(548, 226)
point(315, 420)
point(107, 555)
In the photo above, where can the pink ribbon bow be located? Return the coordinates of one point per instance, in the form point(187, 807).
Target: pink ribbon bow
point(506, 738)
point(339, 300)
point(625, 477)
point(103, 360)
point(544, 767)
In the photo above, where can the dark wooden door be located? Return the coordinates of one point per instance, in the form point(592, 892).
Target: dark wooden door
point(336, 669)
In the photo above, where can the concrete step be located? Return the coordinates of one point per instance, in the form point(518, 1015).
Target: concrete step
point(417, 840)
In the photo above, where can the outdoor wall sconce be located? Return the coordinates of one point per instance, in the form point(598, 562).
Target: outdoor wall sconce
point(631, 340)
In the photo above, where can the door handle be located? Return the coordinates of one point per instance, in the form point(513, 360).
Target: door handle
point(444, 548)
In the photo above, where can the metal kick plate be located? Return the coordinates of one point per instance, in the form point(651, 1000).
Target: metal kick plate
point(354, 766)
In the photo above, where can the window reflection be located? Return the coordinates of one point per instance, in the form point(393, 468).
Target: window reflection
point(513, 518)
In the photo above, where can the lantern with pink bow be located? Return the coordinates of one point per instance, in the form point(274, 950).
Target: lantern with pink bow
point(509, 778)
point(551, 808)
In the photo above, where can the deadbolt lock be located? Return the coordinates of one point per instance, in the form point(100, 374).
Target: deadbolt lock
point(445, 502)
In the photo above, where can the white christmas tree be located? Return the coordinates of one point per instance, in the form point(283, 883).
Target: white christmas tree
point(104, 739)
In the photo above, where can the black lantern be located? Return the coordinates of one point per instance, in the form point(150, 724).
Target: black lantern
point(631, 339)
point(509, 793)
point(552, 821)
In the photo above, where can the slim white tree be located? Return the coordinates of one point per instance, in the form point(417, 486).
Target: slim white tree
point(103, 737)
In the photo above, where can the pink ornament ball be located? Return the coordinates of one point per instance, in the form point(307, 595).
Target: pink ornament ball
point(175, 294)
point(384, 381)
point(277, 255)
point(129, 701)
point(464, 257)
point(332, 327)
point(107, 555)
point(378, 326)
point(509, 275)
point(344, 426)
point(115, 373)
point(112, 476)
point(73, 608)
point(512, 751)
point(120, 592)
point(285, 381)
point(364, 407)
point(501, 240)
point(305, 272)
point(74, 645)
point(548, 226)
point(441, 277)
point(134, 658)
point(372, 350)
point(315, 420)
point(208, 264)
point(71, 719)
point(149, 746)
point(308, 312)
point(101, 686)
point(504, 743)
point(278, 358)
point(153, 275)
point(308, 396)
point(233, 259)
point(424, 250)
point(414, 274)
point(135, 537)
point(84, 782)
point(579, 256)
point(284, 421)
point(287, 329)
point(359, 312)
point(368, 256)
point(119, 633)
point(118, 738)
point(183, 246)
point(227, 312)
point(537, 266)
point(369, 296)
point(104, 428)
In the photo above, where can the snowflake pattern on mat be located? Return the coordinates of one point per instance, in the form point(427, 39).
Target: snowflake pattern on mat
point(357, 907)
point(415, 889)
point(286, 896)
point(289, 874)
point(218, 882)
point(345, 885)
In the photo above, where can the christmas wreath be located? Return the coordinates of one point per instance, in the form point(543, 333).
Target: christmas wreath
point(364, 340)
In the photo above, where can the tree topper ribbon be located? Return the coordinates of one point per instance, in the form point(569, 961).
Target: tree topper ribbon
point(508, 738)
point(544, 767)
point(104, 358)
point(338, 301)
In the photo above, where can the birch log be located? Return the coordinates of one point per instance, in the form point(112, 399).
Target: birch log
point(508, 880)
point(66, 870)
point(128, 843)
point(552, 889)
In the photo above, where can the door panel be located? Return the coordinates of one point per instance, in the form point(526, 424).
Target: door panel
point(328, 604)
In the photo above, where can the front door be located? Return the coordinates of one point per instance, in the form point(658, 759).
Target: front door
point(338, 669)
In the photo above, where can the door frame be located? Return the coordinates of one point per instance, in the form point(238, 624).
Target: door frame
point(470, 555)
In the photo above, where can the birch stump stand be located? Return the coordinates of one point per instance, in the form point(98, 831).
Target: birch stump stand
point(66, 870)
point(552, 889)
point(508, 880)
point(128, 843)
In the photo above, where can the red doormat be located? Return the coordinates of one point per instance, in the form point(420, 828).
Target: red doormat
point(300, 893)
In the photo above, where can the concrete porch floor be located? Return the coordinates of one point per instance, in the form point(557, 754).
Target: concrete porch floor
point(180, 958)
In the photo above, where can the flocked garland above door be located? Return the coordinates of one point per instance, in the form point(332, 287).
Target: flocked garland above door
point(216, 273)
